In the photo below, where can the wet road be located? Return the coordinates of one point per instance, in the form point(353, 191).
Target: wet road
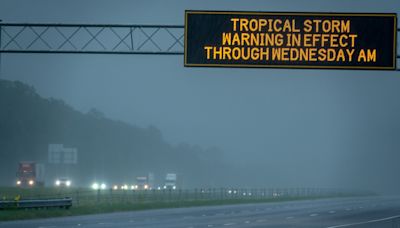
point(327, 213)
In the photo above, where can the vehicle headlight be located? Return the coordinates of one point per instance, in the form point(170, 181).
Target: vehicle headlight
point(165, 187)
point(68, 183)
point(174, 187)
point(103, 186)
point(115, 187)
point(95, 186)
point(18, 182)
point(31, 182)
point(57, 182)
point(146, 186)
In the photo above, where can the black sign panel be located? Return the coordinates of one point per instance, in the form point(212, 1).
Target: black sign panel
point(291, 40)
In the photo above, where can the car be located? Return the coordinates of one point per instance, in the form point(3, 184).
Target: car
point(63, 182)
point(98, 186)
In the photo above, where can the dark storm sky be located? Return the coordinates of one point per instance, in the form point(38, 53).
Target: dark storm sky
point(301, 119)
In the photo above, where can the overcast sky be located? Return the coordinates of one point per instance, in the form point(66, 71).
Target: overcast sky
point(252, 114)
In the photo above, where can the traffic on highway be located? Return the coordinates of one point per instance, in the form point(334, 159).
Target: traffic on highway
point(190, 114)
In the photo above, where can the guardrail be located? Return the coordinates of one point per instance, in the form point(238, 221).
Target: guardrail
point(34, 203)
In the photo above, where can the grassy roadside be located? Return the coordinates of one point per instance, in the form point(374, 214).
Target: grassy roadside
point(86, 207)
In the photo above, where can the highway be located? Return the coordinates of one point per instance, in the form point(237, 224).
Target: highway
point(355, 212)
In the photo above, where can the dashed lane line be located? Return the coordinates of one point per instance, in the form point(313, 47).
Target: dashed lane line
point(366, 222)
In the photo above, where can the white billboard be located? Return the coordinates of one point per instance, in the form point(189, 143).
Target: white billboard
point(58, 154)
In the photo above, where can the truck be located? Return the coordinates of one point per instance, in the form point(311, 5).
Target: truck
point(142, 183)
point(145, 182)
point(30, 174)
point(170, 181)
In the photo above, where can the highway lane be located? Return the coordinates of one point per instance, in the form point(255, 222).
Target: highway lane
point(326, 213)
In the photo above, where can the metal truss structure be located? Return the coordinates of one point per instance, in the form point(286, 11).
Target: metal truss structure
point(91, 39)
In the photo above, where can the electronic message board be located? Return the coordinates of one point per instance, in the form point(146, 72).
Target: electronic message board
point(291, 40)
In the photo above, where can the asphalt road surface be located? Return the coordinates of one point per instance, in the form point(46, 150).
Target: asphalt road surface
point(327, 213)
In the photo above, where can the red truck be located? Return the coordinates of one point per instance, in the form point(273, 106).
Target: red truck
point(30, 174)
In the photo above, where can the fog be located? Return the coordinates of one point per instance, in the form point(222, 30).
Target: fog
point(275, 127)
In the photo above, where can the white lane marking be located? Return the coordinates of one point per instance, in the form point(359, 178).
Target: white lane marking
point(332, 212)
point(247, 222)
point(313, 215)
point(229, 224)
point(366, 222)
point(203, 215)
point(290, 217)
point(210, 225)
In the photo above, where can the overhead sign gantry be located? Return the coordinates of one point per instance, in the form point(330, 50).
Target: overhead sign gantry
point(227, 39)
